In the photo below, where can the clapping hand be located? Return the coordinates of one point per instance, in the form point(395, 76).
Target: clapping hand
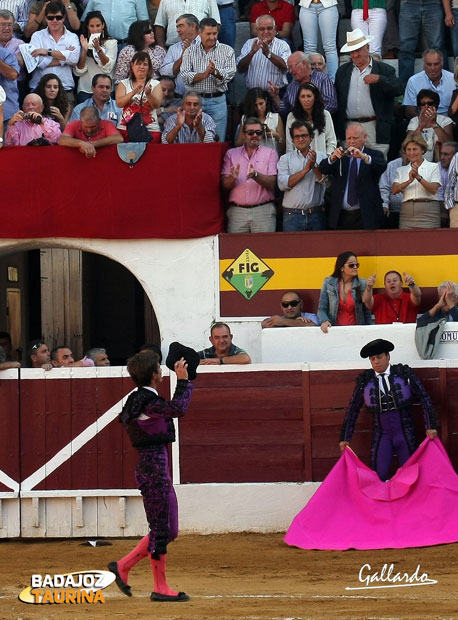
point(84, 43)
point(197, 122)
point(211, 68)
point(180, 117)
point(235, 170)
point(256, 46)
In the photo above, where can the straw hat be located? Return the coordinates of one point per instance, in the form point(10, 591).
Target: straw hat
point(355, 39)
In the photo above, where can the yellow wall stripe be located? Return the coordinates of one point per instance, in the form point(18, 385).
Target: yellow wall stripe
point(309, 273)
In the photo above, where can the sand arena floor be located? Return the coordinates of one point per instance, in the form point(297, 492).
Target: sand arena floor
point(238, 576)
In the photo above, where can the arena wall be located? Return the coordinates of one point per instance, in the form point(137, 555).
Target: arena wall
point(250, 452)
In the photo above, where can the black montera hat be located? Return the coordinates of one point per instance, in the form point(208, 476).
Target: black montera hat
point(176, 352)
point(375, 347)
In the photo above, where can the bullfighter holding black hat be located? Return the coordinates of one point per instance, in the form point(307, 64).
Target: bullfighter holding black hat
point(387, 391)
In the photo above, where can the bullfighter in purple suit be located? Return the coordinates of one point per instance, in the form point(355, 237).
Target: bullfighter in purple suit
point(148, 421)
point(387, 391)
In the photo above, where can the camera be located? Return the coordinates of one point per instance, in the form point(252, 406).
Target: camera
point(33, 118)
point(346, 153)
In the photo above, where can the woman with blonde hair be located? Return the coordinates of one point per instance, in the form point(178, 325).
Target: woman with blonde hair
point(418, 182)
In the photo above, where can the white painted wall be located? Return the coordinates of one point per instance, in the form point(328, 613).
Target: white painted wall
point(343, 344)
point(180, 277)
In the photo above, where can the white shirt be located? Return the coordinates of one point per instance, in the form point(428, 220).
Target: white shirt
point(428, 134)
point(359, 103)
point(379, 377)
point(261, 70)
point(415, 191)
point(325, 141)
point(42, 39)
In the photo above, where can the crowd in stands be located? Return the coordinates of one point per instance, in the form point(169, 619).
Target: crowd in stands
point(333, 141)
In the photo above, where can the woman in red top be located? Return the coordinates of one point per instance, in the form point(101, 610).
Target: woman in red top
point(341, 295)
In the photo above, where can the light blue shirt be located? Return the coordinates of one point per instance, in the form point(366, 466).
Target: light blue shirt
point(175, 52)
point(391, 202)
point(118, 14)
point(110, 111)
point(444, 89)
point(11, 104)
point(309, 192)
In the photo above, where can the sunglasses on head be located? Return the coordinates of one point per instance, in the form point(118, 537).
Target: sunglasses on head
point(254, 132)
point(352, 265)
point(37, 346)
point(293, 303)
point(53, 17)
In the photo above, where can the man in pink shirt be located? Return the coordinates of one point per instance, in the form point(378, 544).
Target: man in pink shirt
point(90, 133)
point(28, 124)
point(249, 173)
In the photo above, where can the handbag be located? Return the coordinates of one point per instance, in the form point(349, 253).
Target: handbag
point(136, 128)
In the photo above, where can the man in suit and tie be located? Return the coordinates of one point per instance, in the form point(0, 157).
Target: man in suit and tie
point(354, 172)
point(366, 90)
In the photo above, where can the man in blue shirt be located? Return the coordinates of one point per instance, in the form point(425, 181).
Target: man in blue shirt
point(119, 15)
point(433, 77)
point(101, 99)
point(9, 71)
point(293, 315)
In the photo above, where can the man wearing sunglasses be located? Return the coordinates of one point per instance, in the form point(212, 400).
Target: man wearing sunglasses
point(56, 49)
point(293, 316)
point(249, 173)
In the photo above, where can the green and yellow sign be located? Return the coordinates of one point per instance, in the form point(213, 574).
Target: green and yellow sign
point(247, 274)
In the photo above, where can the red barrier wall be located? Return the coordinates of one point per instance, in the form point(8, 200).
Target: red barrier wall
point(104, 198)
point(253, 426)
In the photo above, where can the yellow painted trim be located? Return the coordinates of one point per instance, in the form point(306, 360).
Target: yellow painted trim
point(309, 273)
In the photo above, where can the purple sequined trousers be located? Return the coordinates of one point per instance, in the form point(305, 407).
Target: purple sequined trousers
point(159, 499)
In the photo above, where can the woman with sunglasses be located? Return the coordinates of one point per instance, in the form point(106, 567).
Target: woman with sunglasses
point(98, 54)
point(140, 39)
point(434, 128)
point(309, 107)
point(419, 183)
point(341, 297)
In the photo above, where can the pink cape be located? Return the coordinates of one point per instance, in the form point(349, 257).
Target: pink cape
point(354, 509)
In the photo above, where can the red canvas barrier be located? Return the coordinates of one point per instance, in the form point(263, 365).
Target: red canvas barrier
point(172, 192)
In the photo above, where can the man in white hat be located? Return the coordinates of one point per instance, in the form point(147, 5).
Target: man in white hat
point(366, 90)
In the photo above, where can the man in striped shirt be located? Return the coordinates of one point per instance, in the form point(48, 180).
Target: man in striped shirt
point(190, 124)
point(208, 67)
point(20, 11)
point(301, 70)
point(263, 58)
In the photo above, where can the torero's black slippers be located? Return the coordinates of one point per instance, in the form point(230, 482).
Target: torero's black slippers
point(167, 598)
point(122, 585)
